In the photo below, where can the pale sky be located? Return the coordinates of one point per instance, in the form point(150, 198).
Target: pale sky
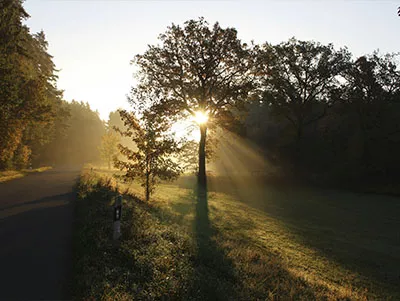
point(93, 41)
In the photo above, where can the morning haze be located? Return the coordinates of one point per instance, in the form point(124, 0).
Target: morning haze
point(199, 150)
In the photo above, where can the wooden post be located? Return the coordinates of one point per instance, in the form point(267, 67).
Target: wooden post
point(117, 217)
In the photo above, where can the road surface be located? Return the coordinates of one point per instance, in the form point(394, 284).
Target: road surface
point(36, 214)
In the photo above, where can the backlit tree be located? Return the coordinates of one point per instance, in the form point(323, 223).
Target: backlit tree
point(152, 160)
point(197, 70)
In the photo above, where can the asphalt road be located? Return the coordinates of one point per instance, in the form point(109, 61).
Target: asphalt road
point(36, 217)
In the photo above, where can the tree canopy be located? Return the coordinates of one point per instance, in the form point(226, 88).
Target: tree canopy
point(298, 78)
point(196, 68)
point(29, 98)
point(337, 118)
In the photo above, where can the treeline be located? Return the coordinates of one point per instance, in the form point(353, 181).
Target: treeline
point(36, 125)
point(325, 116)
point(77, 139)
point(318, 112)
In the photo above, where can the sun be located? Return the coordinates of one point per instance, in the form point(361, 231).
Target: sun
point(200, 117)
point(188, 127)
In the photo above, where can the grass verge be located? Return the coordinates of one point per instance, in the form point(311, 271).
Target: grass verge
point(185, 245)
point(15, 174)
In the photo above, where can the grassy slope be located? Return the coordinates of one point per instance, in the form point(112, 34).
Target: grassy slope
point(15, 174)
point(175, 249)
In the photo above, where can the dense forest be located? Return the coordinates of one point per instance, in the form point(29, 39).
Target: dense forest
point(326, 115)
point(38, 127)
point(319, 113)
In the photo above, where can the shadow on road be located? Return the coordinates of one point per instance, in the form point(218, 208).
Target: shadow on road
point(35, 256)
point(50, 201)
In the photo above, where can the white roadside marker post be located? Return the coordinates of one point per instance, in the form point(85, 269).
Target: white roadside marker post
point(117, 217)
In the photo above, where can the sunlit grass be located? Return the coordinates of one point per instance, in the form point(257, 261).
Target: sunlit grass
point(15, 174)
point(10, 175)
point(261, 247)
point(253, 254)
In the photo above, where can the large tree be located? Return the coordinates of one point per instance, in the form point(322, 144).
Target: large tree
point(196, 68)
point(29, 98)
point(13, 37)
point(298, 79)
point(370, 111)
point(43, 100)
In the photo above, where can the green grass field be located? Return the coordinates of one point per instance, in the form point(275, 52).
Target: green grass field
point(244, 240)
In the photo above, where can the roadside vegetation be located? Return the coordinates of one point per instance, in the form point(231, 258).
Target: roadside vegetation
point(15, 174)
point(174, 248)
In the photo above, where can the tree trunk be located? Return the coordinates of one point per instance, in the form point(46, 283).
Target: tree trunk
point(202, 180)
point(298, 150)
point(147, 179)
point(147, 187)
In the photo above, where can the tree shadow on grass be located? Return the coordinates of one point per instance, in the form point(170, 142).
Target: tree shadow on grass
point(227, 265)
point(254, 274)
point(357, 231)
point(214, 275)
point(158, 259)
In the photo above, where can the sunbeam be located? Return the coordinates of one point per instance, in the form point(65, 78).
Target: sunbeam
point(238, 156)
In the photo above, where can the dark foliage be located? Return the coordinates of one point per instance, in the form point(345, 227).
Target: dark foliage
point(327, 117)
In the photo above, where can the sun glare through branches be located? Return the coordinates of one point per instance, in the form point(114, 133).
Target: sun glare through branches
point(200, 117)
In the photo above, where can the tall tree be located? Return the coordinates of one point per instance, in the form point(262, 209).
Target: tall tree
point(46, 141)
point(195, 69)
point(298, 78)
point(370, 109)
point(43, 100)
point(29, 98)
point(13, 37)
point(152, 160)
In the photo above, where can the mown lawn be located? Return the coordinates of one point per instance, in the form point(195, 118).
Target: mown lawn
point(231, 244)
